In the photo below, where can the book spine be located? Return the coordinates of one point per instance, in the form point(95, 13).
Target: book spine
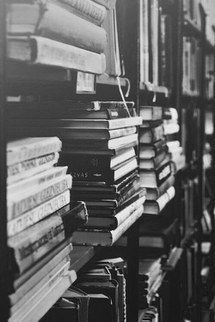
point(18, 298)
point(19, 204)
point(28, 168)
point(37, 180)
point(33, 216)
point(62, 25)
point(89, 9)
point(31, 245)
point(163, 173)
point(53, 53)
point(31, 151)
point(125, 213)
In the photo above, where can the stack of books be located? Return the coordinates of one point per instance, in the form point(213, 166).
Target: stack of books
point(98, 295)
point(171, 129)
point(156, 168)
point(64, 33)
point(98, 146)
point(150, 278)
point(38, 209)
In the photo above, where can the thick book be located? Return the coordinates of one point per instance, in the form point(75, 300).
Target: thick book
point(20, 202)
point(148, 151)
point(28, 290)
point(155, 193)
point(40, 268)
point(38, 50)
point(81, 124)
point(154, 163)
point(71, 134)
point(30, 245)
point(75, 217)
point(154, 178)
point(106, 175)
point(47, 295)
point(30, 148)
point(106, 238)
point(37, 180)
point(160, 233)
point(31, 217)
point(151, 113)
point(154, 207)
point(70, 109)
point(97, 161)
point(50, 20)
point(151, 135)
point(24, 169)
point(115, 221)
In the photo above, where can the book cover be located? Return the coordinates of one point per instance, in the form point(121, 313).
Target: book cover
point(50, 20)
point(154, 207)
point(154, 178)
point(151, 135)
point(36, 50)
point(30, 245)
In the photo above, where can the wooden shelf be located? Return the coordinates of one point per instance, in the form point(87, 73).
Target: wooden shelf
point(35, 308)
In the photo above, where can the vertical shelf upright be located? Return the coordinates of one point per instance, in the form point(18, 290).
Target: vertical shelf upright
point(3, 216)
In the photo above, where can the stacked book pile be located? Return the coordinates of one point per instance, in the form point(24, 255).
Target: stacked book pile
point(98, 147)
point(150, 279)
point(98, 295)
point(171, 129)
point(40, 220)
point(156, 168)
point(63, 33)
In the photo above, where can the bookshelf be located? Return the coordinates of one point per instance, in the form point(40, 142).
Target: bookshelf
point(61, 85)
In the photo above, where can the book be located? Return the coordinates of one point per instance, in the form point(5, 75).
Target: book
point(23, 201)
point(154, 163)
point(67, 133)
point(70, 109)
point(81, 124)
point(30, 245)
point(27, 290)
point(106, 238)
point(75, 217)
point(155, 193)
point(154, 178)
point(97, 160)
point(115, 221)
point(21, 170)
point(46, 296)
point(106, 175)
point(40, 268)
point(37, 180)
point(109, 4)
point(154, 207)
point(51, 20)
point(151, 135)
point(170, 127)
point(151, 113)
point(148, 151)
point(38, 50)
point(31, 217)
point(30, 148)
point(88, 10)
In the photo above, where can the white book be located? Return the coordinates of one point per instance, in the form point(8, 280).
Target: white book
point(43, 51)
point(37, 180)
point(24, 169)
point(20, 202)
point(30, 148)
point(33, 216)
